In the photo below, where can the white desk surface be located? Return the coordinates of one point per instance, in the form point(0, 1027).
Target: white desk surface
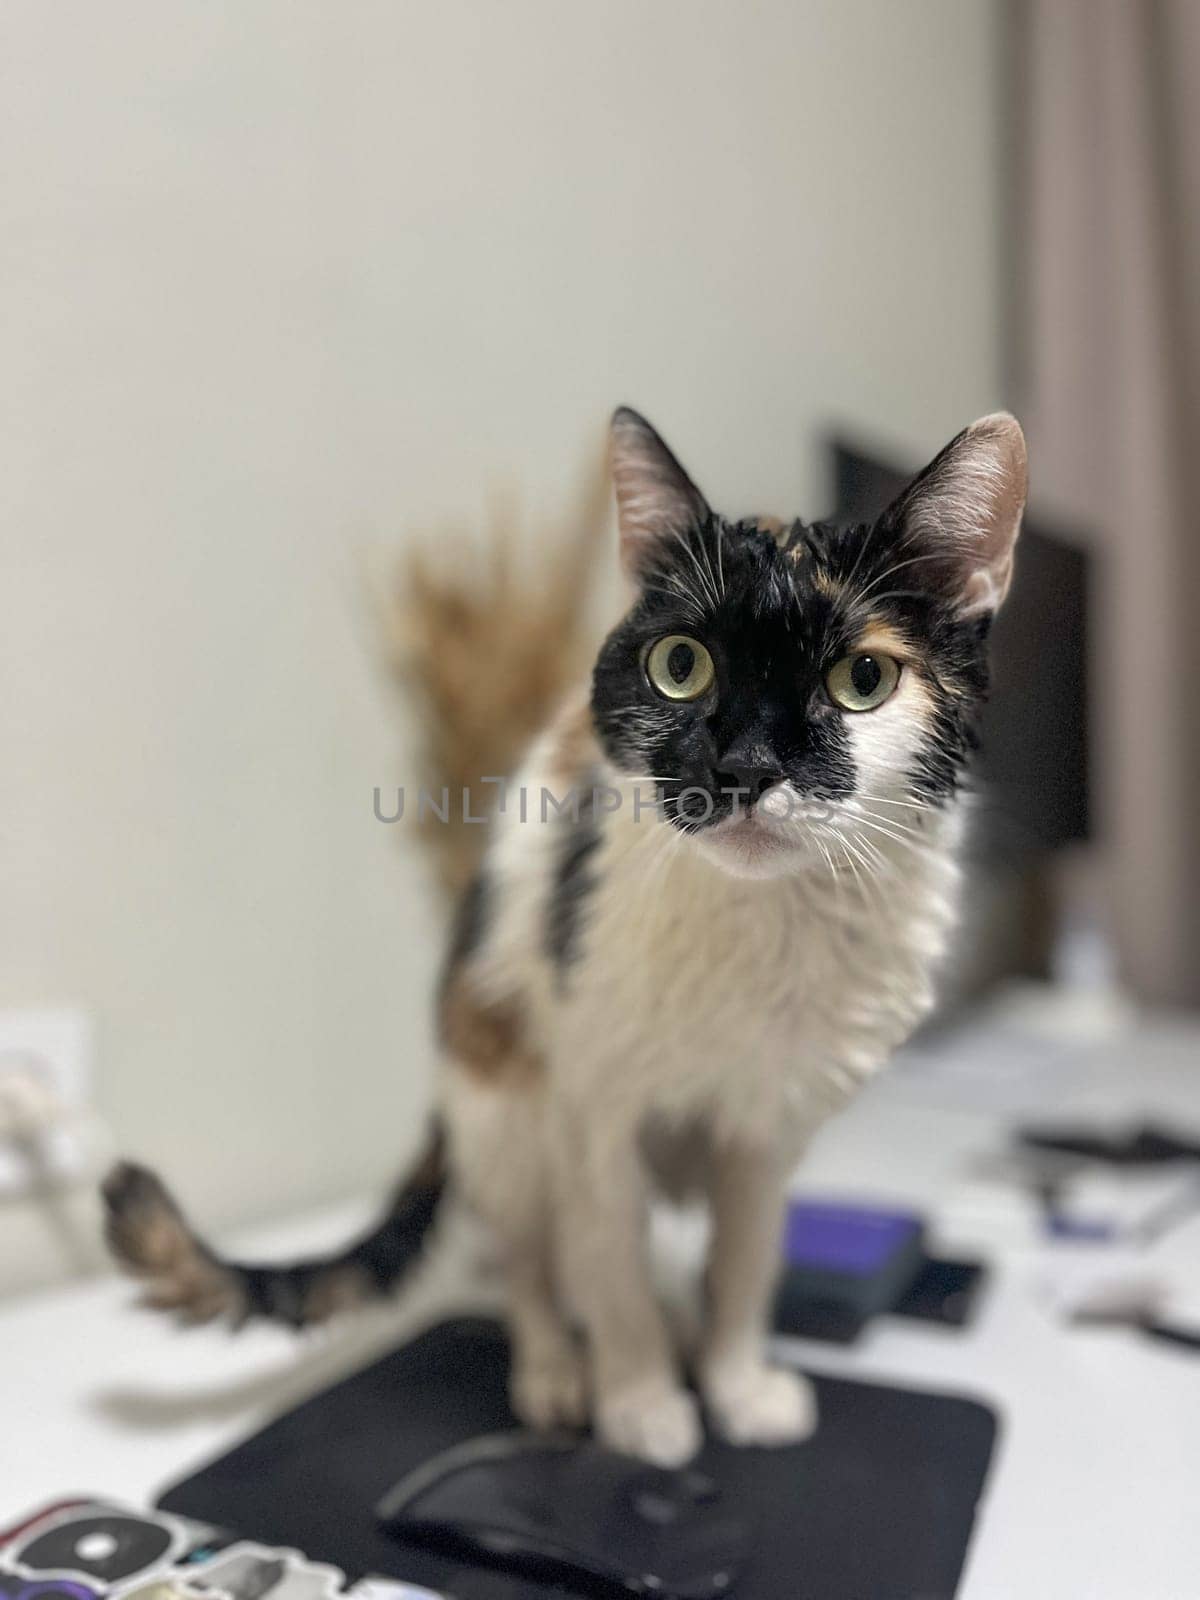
point(1095, 1488)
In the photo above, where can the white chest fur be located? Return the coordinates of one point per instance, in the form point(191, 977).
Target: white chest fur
point(759, 1005)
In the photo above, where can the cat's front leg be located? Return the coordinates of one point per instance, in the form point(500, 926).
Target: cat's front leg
point(750, 1401)
point(640, 1405)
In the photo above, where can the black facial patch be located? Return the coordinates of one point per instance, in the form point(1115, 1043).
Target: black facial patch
point(775, 612)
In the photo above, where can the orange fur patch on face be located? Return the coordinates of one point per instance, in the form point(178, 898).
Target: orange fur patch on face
point(919, 697)
point(487, 1037)
point(882, 638)
point(776, 527)
point(823, 583)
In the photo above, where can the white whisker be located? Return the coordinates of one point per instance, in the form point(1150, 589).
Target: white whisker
point(864, 879)
point(888, 800)
point(862, 550)
point(898, 566)
point(915, 844)
point(705, 578)
point(901, 594)
point(900, 827)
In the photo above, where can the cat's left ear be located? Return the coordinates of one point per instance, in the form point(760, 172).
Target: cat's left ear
point(961, 516)
point(656, 500)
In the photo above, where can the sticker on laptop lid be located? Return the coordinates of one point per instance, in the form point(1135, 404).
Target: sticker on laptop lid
point(97, 1546)
point(247, 1571)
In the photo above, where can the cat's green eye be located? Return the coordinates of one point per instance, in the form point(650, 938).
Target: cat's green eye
point(680, 668)
point(862, 682)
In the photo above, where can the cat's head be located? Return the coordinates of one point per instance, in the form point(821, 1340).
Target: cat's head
point(794, 689)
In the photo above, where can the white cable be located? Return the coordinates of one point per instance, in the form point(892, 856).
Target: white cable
point(31, 1115)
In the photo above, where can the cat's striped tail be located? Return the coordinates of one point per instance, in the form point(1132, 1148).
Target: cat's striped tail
point(485, 636)
point(152, 1239)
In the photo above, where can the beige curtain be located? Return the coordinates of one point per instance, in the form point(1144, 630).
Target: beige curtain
point(1107, 375)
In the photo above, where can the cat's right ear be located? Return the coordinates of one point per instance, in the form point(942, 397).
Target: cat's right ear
point(960, 517)
point(656, 500)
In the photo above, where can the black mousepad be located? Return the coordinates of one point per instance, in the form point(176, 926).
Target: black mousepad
point(878, 1505)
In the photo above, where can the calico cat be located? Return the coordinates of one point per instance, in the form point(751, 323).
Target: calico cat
point(670, 983)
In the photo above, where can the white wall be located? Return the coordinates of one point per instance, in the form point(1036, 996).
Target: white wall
point(281, 279)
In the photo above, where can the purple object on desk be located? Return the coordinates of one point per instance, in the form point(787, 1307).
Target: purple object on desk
point(859, 1240)
point(844, 1263)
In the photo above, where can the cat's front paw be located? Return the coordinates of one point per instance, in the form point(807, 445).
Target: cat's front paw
point(753, 1403)
point(548, 1390)
point(658, 1422)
